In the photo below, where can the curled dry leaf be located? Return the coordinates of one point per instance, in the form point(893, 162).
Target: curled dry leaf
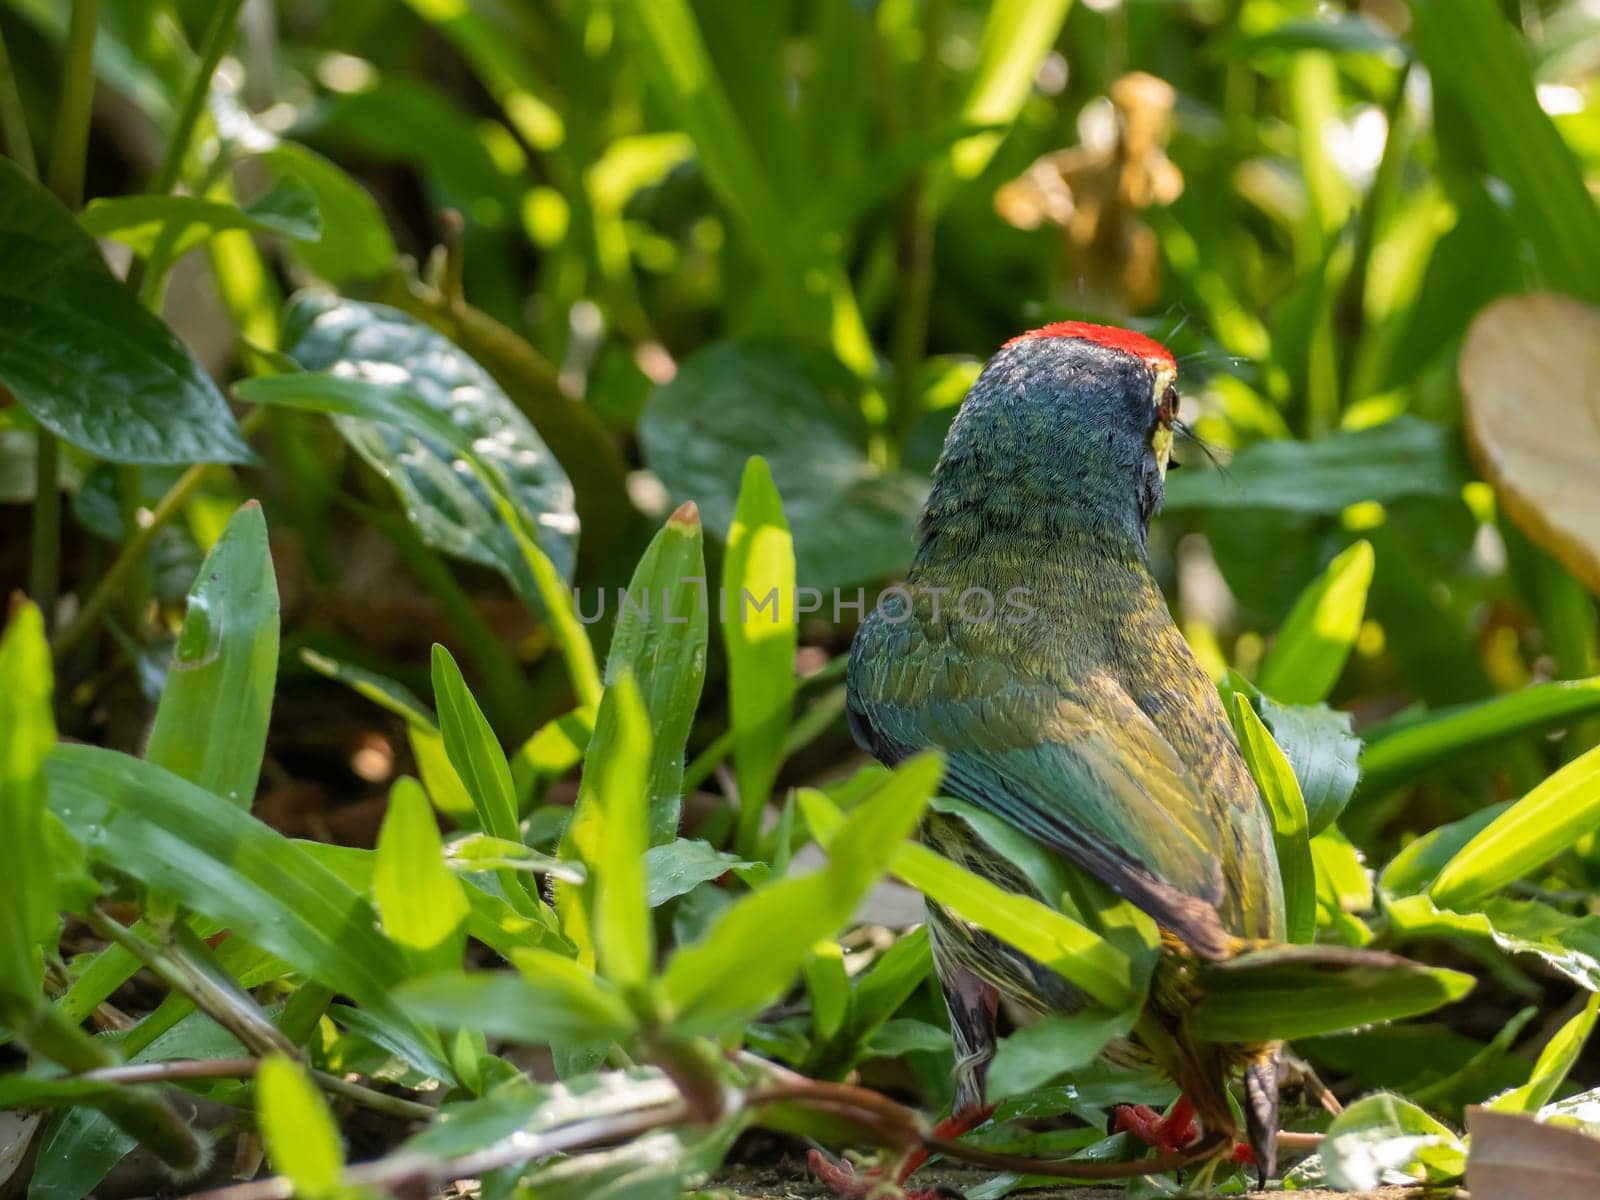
point(1530, 383)
point(1515, 1156)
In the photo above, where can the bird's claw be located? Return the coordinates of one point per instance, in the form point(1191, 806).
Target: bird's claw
point(1169, 1134)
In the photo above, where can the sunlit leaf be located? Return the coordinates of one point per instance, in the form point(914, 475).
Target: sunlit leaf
point(423, 905)
point(301, 1138)
point(760, 644)
point(1546, 821)
point(1319, 632)
point(1281, 792)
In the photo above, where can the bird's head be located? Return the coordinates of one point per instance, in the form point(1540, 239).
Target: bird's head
point(1067, 425)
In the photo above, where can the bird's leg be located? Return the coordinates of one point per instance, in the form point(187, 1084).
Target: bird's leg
point(972, 1004)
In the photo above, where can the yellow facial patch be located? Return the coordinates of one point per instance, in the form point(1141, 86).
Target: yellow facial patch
point(1161, 439)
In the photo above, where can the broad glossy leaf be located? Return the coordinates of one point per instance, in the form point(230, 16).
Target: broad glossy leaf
point(828, 986)
point(1303, 991)
point(760, 640)
point(302, 1140)
point(217, 860)
point(1315, 640)
point(1402, 457)
point(1281, 792)
point(27, 887)
point(85, 358)
point(662, 643)
point(1401, 751)
point(1546, 821)
point(852, 522)
point(1033, 1056)
point(174, 225)
point(1567, 945)
point(1320, 747)
point(422, 904)
point(211, 724)
point(1531, 432)
point(756, 947)
point(449, 506)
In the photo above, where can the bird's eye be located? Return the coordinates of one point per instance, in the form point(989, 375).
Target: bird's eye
point(1169, 405)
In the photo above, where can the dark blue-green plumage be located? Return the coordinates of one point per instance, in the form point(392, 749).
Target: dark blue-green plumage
point(1088, 725)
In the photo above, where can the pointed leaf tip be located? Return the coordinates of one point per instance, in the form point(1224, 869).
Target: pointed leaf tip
point(686, 515)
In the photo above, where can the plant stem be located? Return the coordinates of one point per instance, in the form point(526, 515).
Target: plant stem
point(134, 548)
point(234, 1013)
point(14, 117)
point(217, 36)
point(70, 149)
point(44, 557)
point(182, 1070)
point(70, 145)
point(914, 246)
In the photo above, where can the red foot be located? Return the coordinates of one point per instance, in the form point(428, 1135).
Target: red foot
point(1169, 1134)
point(842, 1180)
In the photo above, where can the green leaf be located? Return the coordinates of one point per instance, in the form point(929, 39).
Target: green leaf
point(609, 832)
point(473, 750)
point(852, 521)
point(682, 865)
point(1556, 1060)
point(1402, 457)
point(553, 1001)
point(1535, 829)
point(761, 685)
point(1052, 1046)
point(1402, 750)
point(384, 692)
point(1053, 939)
point(1418, 864)
point(174, 225)
point(301, 1138)
point(85, 358)
point(211, 724)
point(422, 904)
point(355, 242)
point(1017, 35)
point(27, 887)
point(1479, 66)
point(218, 860)
point(828, 987)
point(1281, 792)
point(452, 511)
point(1567, 945)
point(756, 947)
point(1383, 1139)
point(1319, 745)
point(1310, 651)
point(1303, 991)
point(662, 643)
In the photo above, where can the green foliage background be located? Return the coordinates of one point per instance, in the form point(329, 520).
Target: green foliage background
point(482, 292)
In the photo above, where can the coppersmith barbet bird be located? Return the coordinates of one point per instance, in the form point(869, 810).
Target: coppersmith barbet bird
point(1088, 726)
